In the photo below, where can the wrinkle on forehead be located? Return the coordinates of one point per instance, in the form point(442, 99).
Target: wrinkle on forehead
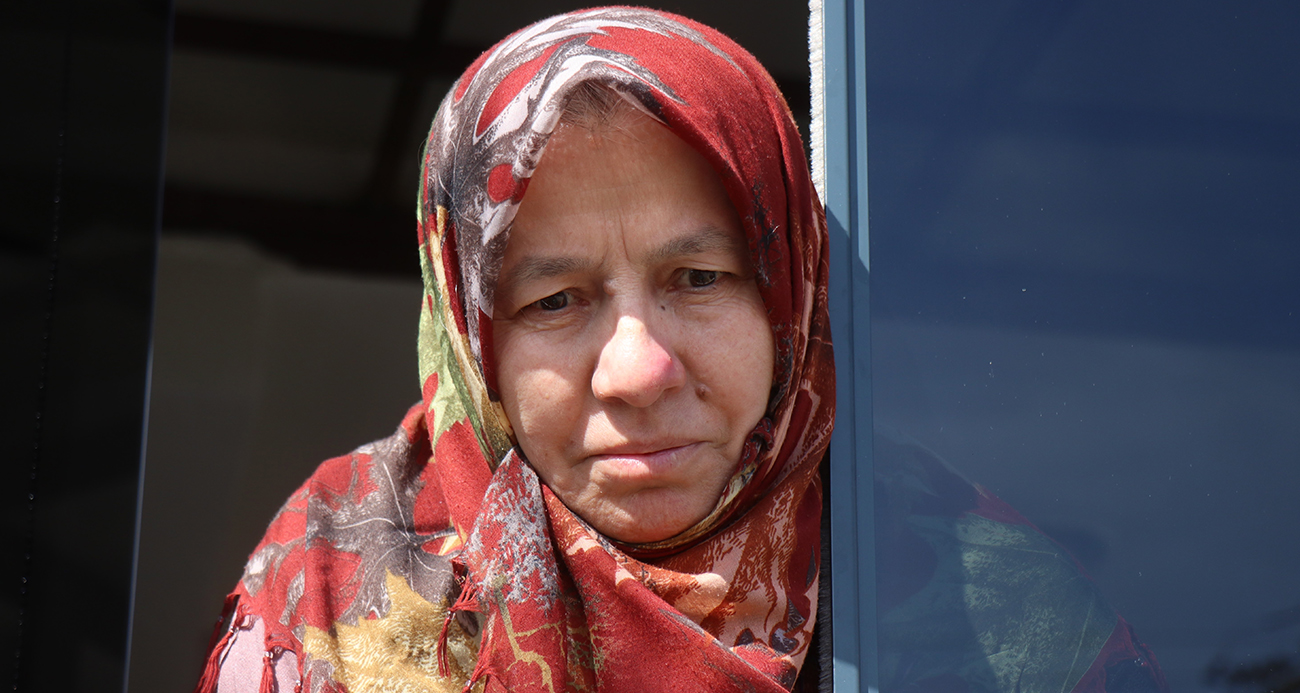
point(709, 239)
point(606, 180)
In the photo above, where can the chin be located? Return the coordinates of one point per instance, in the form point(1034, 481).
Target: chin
point(641, 535)
point(632, 527)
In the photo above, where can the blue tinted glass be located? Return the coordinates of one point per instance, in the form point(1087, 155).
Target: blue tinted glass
point(1085, 243)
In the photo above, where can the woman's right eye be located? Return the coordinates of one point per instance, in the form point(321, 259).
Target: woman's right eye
point(702, 278)
point(554, 302)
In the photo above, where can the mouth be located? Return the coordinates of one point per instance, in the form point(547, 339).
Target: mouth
point(636, 461)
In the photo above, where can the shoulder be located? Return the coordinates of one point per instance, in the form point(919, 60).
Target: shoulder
point(348, 503)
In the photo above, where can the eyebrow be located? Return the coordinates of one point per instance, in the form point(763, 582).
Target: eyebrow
point(705, 240)
point(532, 269)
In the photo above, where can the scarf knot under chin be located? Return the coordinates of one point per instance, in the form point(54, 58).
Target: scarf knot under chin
point(560, 603)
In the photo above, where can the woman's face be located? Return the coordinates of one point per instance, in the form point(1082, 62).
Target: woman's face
point(633, 351)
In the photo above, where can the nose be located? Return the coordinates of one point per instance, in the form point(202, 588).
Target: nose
point(635, 366)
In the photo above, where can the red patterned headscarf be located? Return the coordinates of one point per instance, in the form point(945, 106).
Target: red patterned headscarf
point(436, 559)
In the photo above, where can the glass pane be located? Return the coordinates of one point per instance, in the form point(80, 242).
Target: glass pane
point(1086, 344)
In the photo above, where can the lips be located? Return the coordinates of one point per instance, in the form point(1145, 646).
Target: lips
point(643, 448)
point(642, 461)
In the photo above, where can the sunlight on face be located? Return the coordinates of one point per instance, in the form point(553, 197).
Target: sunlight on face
point(633, 351)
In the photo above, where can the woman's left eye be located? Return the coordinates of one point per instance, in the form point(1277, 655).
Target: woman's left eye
point(701, 278)
point(554, 302)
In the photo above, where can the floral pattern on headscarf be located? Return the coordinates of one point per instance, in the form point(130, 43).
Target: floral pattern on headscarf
point(436, 559)
point(750, 586)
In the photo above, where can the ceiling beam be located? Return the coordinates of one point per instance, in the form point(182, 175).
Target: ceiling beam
point(361, 50)
point(319, 46)
point(396, 152)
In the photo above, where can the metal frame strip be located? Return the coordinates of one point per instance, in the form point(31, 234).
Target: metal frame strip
point(853, 570)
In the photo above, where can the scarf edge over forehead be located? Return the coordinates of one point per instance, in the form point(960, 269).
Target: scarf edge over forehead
point(523, 84)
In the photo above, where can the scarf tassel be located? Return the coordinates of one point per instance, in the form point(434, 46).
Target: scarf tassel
point(268, 684)
point(232, 613)
point(467, 601)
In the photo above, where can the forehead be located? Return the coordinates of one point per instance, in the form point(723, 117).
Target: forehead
point(637, 183)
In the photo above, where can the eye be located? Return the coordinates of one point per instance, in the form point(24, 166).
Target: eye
point(558, 301)
point(701, 278)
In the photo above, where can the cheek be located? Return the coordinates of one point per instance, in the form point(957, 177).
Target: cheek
point(541, 393)
point(738, 355)
point(757, 370)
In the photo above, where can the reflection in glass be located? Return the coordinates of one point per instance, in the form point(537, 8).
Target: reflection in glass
point(1084, 300)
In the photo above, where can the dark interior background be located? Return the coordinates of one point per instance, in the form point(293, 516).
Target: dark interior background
point(82, 98)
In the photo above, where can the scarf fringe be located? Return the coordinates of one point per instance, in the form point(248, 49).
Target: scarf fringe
point(480, 671)
point(467, 601)
point(234, 611)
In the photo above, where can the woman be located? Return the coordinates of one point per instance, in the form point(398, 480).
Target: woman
point(612, 479)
